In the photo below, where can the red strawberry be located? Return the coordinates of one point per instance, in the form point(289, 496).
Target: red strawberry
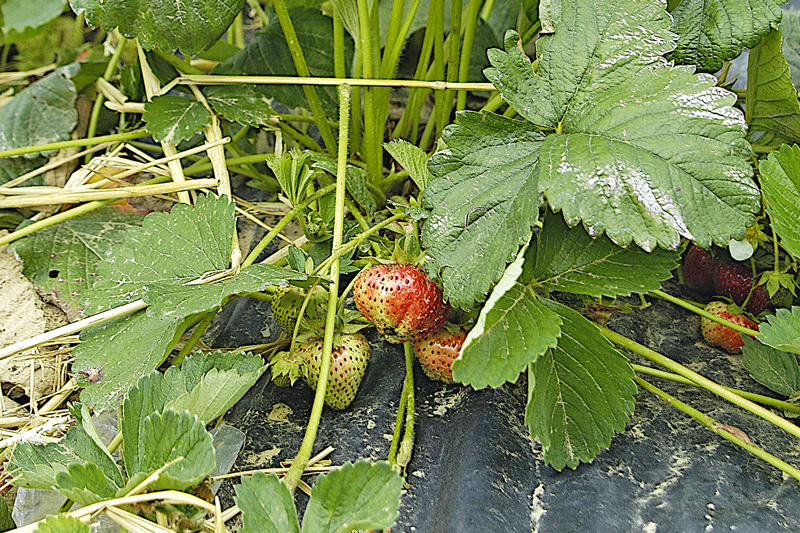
point(735, 281)
point(698, 269)
point(437, 352)
point(717, 334)
point(348, 364)
point(400, 300)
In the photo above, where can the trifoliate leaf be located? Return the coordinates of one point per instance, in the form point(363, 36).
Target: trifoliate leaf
point(240, 103)
point(483, 201)
point(790, 27)
point(62, 524)
point(570, 260)
point(20, 17)
point(267, 505)
point(269, 55)
point(780, 183)
point(352, 497)
point(85, 484)
point(412, 158)
point(580, 393)
point(513, 329)
point(174, 119)
point(643, 151)
point(191, 26)
point(771, 97)
point(42, 113)
point(167, 436)
point(62, 259)
point(775, 369)
point(713, 31)
point(782, 330)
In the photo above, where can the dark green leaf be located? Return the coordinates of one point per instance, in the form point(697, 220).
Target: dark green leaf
point(6, 522)
point(713, 31)
point(356, 496)
point(782, 330)
point(579, 394)
point(483, 201)
point(62, 524)
point(42, 113)
point(570, 260)
point(62, 259)
point(244, 104)
point(14, 167)
point(771, 97)
point(790, 27)
point(780, 183)
point(167, 25)
point(266, 504)
point(174, 119)
point(268, 55)
point(775, 369)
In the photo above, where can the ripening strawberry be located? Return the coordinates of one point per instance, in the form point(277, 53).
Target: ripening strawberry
point(349, 360)
point(401, 301)
point(698, 269)
point(735, 280)
point(723, 336)
point(437, 352)
point(287, 301)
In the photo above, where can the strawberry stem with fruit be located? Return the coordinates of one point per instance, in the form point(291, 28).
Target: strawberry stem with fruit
point(702, 312)
point(295, 472)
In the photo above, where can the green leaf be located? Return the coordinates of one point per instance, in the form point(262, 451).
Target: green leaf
point(267, 505)
point(579, 394)
point(483, 201)
point(643, 151)
point(771, 97)
point(174, 248)
point(356, 182)
point(775, 369)
point(62, 524)
point(356, 496)
point(42, 113)
point(19, 17)
point(6, 522)
point(174, 119)
point(13, 167)
point(780, 182)
point(790, 27)
point(513, 329)
point(62, 259)
point(412, 158)
point(191, 26)
point(570, 260)
point(165, 437)
point(85, 484)
point(240, 103)
point(269, 55)
point(713, 31)
point(782, 330)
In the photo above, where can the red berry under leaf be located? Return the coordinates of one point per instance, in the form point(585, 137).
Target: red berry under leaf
point(437, 352)
point(698, 269)
point(723, 336)
point(735, 281)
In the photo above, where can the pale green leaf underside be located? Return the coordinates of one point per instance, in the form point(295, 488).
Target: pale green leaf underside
point(191, 26)
point(517, 330)
point(780, 185)
point(174, 119)
point(790, 27)
point(240, 103)
point(782, 330)
point(62, 524)
point(771, 103)
point(42, 113)
point(579, 394)
point(85, 484)
point(353, 497)
point(266, 504)
point(412, 158)
point(713, 31)
point(483, 202)
point(570, 260)
point(20, 15)
point(772, 368)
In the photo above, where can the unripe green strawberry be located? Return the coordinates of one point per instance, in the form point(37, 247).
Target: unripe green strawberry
point(437, 352)
point(287, 301)
point(401, 301)
point(723, 336)
point(348, 363)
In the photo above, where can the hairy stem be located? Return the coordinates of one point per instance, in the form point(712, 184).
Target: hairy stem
point(702, 312)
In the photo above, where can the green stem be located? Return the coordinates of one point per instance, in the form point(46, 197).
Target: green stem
point(471, 18)
point(304, 454)
point(296, 210)
point(73, 143)
point(115, 442)
point(439, 59)
point(701, 381)
point(493, 103)
point(764, 400)
point(256, 6)
point(398, 422)
point(407, 444)
point(302, 69)
point(180, 65)
point(111, 67)
point(191, 342)
point(371, 142)
point(719, 429)
point(702, 312)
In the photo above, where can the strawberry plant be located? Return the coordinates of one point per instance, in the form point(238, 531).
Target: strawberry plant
point(523, 169)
